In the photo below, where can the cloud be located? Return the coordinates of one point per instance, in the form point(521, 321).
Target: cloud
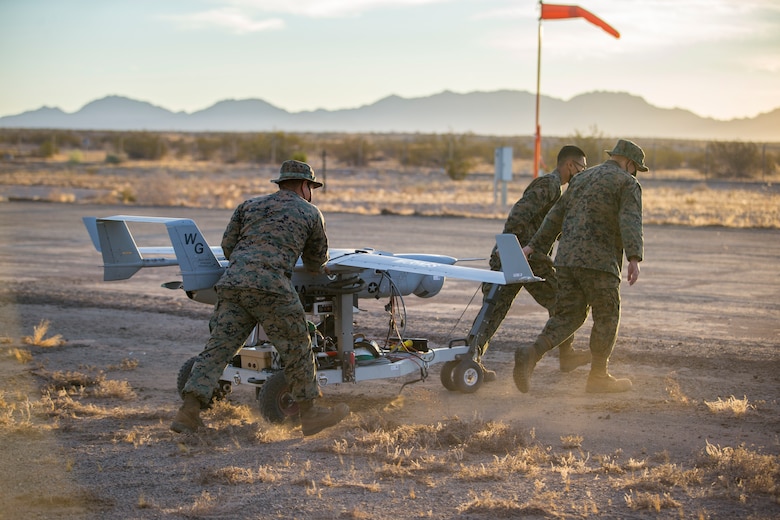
point(241, 16)
point(645, 26)
point(226, 18)
point(326, 8)
point(768, 63)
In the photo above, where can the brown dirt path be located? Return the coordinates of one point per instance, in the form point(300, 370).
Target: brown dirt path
point(702, 323)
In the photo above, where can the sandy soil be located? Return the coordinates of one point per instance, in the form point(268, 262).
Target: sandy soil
point(701, 324)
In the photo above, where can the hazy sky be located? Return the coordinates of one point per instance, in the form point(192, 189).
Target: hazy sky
point(717, 58)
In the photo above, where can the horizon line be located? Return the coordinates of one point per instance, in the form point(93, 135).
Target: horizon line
point(445, 91)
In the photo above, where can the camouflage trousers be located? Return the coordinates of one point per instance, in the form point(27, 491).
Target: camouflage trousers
point(581, 291)
point(236, 313)
point(543, 292)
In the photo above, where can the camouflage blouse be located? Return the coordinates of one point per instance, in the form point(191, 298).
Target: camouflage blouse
point(527, 214)
point(598, 217)
point(265, 237)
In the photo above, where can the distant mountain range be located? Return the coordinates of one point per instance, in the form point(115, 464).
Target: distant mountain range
point(505, 112)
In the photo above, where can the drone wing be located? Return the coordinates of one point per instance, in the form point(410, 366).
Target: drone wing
point(201, 265)
point(515, 265)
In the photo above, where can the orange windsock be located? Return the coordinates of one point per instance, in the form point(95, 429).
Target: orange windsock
point(557, 12)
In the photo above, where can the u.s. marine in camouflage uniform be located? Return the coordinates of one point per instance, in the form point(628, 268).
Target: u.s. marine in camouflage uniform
point(262, 242)
point(523, 221)
point(598, 219)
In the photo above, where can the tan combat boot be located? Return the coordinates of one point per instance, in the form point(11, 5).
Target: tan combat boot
point(188, 419)
point(601, 382)
point(315, 418)
point(572, 358)
point(525, 361)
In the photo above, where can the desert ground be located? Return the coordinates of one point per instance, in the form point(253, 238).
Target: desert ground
point(84, 423)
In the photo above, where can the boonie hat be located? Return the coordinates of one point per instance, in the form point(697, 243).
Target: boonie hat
point(631, 150)
point(291, 170)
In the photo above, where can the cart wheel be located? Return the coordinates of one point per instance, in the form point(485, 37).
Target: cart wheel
point(224, 389)
point(446, 375)
point(275, 400)
point(467, 376)
point(184, 375)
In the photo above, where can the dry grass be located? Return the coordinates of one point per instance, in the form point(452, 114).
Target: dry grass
point(571, 441)
point(385, 189)
point(739, 472)
point(702, 205)
point(39, 338)
point(676, 394)
point(732, 405)
point(487, 504)
point(414, 453)
point(21, 355)
point(650, 501)
point(126, 364)
point(234, 475)
point(16, 412)
point(115, 389)
point(378, 455)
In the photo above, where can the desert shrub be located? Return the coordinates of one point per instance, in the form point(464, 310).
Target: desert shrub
point(65, 138)
point(454, 153)
point(183, 149)
point(126, 195)
point(68, 138)
point(460, 153)
point(353, 150)
point(206, 148)
point(143, 145)
point(268, 148)
point(256, 148)
point(421, 151)
point(770, 161)
point(75, 157)
point(457, 169)
point(666, 158)
point(407, 150)
point(734, 159)
point(659, 154)
point(50, 142)
point(48, 148)
point(392, 148)
point(592, 144)
point(113, 158)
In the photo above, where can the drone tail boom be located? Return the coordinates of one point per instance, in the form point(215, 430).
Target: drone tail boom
point(122, 257)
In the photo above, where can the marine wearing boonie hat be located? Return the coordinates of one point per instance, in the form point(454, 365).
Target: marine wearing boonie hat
point(296, 170)
point(631, 150)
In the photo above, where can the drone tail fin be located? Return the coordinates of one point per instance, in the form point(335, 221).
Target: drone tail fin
point(200, 267)
point(513, 261)
point(121, 257)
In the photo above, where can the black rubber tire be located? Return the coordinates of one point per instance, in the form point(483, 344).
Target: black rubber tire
point(223, 390)
point(275, 401)
point(184, 375)
point(467, 376)
point(220, 393)
point(446, 375)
